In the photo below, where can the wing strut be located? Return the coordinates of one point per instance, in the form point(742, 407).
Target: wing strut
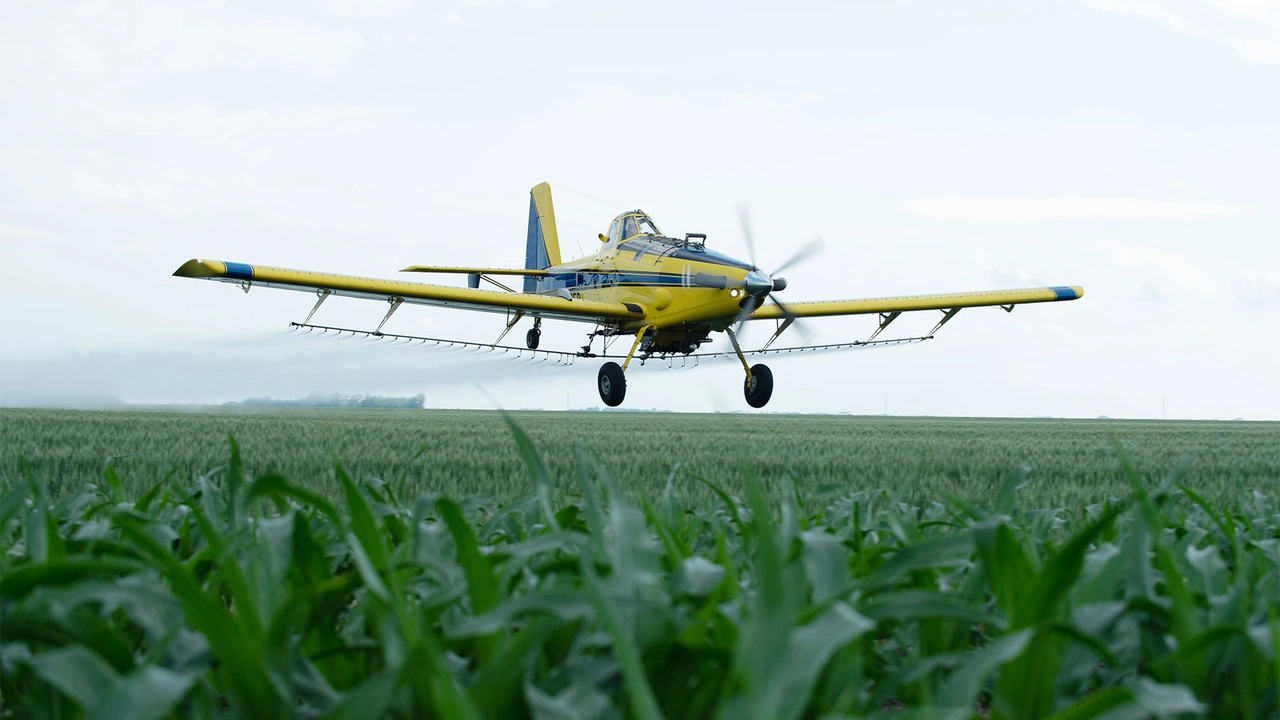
point(946, 316)
point(885, 319)
point(395, 303)
point(781, 326)
point(323, 295)
point(510, 324)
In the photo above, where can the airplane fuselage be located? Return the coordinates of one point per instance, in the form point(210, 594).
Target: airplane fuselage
point(686, 290)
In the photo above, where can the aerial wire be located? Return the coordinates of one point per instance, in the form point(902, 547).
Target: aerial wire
point(593, 197)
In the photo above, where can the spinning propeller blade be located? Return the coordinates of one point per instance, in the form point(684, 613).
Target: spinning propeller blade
point(814, 247)
point(756, 297)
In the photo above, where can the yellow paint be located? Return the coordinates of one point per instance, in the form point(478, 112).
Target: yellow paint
point(912, 302)
point(634, 345)
point(547, 218)
point(412, 292)
point(661, 299)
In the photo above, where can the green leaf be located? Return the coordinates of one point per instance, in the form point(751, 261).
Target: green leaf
point(363, 526)
point(1062, 569)
point(1112, 703)
point(117, 486)
point(1006, 495)
point(809, 648)
point(76, 671)
point(1007, 567)
point(962, 687)
point(365, 567)
point(496, 685)
point(943, 551)
point(238, 649)
point(20, 581)
point(674, 547)
point(370, 699)
point(273, 485)
point(579, 701)
point(907, 605)
point(543, 486)
point(481, 586)
point(826, 562)
point(1166, 699)
point(146, 694)
point(562, 603)
point(696, 576)
point(643, 703)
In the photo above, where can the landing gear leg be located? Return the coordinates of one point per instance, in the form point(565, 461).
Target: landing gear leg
point(758, 387)
point(532, 337)
point(611, 382)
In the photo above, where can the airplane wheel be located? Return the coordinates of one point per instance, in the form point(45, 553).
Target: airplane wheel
point(759, 388)
point(612, 384)
point(531, 338)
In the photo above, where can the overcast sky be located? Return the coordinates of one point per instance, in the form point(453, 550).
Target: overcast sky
point(1129, 146)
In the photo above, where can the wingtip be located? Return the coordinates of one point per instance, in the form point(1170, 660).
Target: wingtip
point(1068, 292)
point(197, 268)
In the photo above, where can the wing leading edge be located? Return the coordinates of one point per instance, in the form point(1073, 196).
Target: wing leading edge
point(410, 292)
point(949, 301)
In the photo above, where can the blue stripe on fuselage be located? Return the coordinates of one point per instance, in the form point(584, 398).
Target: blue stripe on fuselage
point(585, 280)
point(239, 271)
point(1064, 293)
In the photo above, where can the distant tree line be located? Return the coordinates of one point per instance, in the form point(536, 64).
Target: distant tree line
point(336, 401)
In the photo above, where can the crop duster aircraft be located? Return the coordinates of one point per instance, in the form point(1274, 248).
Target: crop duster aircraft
point(667, 294)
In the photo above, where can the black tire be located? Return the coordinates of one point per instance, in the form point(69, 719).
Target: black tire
point(612, 384)
point(759, 387)
point(531, 338)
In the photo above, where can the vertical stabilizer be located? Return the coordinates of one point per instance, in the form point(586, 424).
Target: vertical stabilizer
point(542, 248)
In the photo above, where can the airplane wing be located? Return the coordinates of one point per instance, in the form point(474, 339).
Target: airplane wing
point(474, 270)
point(397, 291)
point(946, 302)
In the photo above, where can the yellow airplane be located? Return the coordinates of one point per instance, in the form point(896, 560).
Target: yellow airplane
point(669, 293)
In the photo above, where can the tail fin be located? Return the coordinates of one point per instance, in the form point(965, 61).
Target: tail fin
point(542, 248)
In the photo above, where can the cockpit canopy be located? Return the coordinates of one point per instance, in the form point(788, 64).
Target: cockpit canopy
point(630, 224)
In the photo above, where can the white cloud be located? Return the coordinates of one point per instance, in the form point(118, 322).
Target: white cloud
point(1010, 208)
point(1251, 27)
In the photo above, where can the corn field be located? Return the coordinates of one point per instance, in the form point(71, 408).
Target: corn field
point(466, 452)
point(248, 594)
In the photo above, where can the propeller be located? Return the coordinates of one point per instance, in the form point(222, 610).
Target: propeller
point(760, 286)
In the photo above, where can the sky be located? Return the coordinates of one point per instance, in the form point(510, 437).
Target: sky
point(1128, 146)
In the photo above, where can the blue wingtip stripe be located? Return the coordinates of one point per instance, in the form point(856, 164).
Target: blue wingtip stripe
point(1064, 293)
point(239, 271)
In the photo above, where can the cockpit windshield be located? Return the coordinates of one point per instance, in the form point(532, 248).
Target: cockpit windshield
point(647, 227)
point(633, 223)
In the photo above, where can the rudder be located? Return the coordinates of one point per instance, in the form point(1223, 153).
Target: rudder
point(542, 246)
